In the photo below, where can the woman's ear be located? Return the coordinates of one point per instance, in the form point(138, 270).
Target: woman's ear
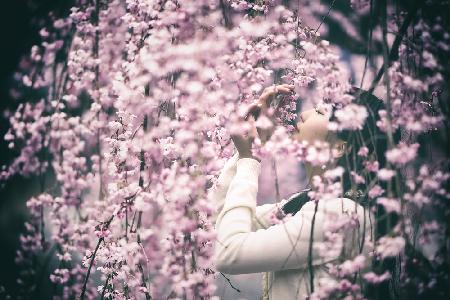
point(342, 148)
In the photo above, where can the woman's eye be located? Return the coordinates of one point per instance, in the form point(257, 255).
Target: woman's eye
point(319, 112)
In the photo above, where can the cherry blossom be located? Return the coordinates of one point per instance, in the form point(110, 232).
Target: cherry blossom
point(131, 104)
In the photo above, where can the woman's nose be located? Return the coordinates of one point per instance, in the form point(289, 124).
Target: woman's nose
point(305, 114)
point(301, 117)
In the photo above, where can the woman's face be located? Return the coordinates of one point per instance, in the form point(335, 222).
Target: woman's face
point(312, 126)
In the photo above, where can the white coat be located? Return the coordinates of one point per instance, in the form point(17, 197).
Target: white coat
point(248, 243)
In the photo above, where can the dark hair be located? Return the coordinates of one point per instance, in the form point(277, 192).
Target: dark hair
point(369, 136)
point(376, 142)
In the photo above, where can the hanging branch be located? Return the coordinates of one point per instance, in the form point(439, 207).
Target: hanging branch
point(141, 184)
point(323, 20)
point(226, 18)
point(143, 280)
point(311, 241)
point(277, 184)
point(369, 44)
point(95, 21)
point(393, 54)
point(386, 63)
point(91, 263)
point(105, 287)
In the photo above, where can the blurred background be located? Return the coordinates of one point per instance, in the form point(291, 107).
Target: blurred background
point(18, 35)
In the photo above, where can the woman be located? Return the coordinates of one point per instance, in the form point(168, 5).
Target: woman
point(246, 240)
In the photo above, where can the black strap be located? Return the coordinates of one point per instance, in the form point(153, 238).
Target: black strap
point(295, 202)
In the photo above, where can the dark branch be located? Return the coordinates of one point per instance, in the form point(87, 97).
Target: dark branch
point(83, 291)
point(229, 281)
point(311, 241)
point(100, 241)
point(226, 18)
point(393, 54)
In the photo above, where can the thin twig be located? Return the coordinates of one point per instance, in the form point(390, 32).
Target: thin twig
point(143, 284)
point(104, 288)
point(91, 263)
point(323, 20)
point(386, 63)
point(226, 18)
point(229, 282)
point(277, 185)
point(393, 55)
point(83, 290)
point(311, 241)
point(369, 44)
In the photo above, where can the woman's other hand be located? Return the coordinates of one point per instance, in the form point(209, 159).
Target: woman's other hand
point(243, 140)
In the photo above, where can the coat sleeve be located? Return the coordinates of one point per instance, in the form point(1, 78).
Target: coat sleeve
point(239, 250)
point(217, 194)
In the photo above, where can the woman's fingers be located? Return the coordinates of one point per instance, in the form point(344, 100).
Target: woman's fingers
point(285, 88)
point(263, 103)
point(266, 96)
point(254, 111)
point(281, 88)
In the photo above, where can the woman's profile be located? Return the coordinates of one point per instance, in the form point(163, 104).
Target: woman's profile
point(247, 241)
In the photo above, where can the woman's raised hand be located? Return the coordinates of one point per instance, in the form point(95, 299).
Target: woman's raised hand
point(259, 120)
point(243, 141)
point(265, 124)
point(263, 103)
point(269, 93)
